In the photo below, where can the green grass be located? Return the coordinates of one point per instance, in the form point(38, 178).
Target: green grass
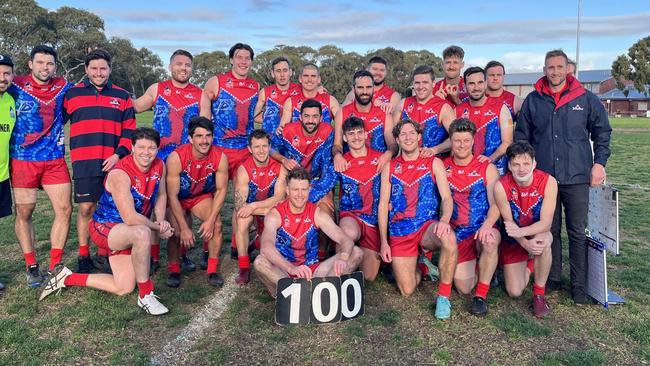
point(627, 122)
point(83, 326)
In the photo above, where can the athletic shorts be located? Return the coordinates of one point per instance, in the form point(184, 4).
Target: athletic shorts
point(369, 234)
point(511, 252)
point(467, 249)
point(88, 189)
point(188, 203)
point(36, 174)
point(235, 158)
point(408, 245)
point(312, 267)
point(99, 235)
point(5, 198)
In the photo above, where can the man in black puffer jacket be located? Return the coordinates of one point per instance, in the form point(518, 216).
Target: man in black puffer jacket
point(558, 119)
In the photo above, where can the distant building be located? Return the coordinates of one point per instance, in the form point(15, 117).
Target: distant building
point(635, 104)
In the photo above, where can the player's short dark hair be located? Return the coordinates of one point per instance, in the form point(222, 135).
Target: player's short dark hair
point(41, 48)
point(521, 147)
point(423, 70)
point(495, 63)
point(399, 125)
point(98, 54)
point(180, 52)
point(453, 51)
point(474, 70)
point(462, 125)
point(555, 53)
point(298, 173)
point(258, 134)
point(279, 59)
point(352, 123)
point(240, 46)
point(571, 62)
point(311, 103)
point(361, 74)
point(310, 65)
point(198, 121)
point(377, 60)
point(146, 133)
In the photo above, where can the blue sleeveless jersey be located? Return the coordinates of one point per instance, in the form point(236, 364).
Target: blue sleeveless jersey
point(233, 111)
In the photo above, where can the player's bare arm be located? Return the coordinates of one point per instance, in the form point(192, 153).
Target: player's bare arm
point(507, 132)
point(287, 112)
point(328, 226)
point(337, 149)
point(259, 107)
point(209, 94)
point(382, 213)
point(160, 208)
point(173, 187)
point(272, 223)
point(118, 183)
point(147, 100)
point(493, 213)
point(446, 202)
point(206, 229)
point(545, 217)
point(397, 113)
point(389, 139)
point(261, 208)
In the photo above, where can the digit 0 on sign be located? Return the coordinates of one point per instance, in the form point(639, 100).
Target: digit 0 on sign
point(352, 296)
point(325, 295)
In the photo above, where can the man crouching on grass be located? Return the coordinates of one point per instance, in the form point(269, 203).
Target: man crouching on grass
point(121, 224)
point(289, 244)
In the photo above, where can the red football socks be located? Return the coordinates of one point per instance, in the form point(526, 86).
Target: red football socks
point(155, 251)
point(55, 257)
point(538, 290)
point(30, 258)
point(482, 290)
point(84, 250)
point(244, 262)
point(76, 279)
point(145, 288)
point(213, 263)
point(173, 267)
point(444, 289)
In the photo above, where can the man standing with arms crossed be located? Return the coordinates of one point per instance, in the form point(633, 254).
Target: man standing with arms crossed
point(558, 119)
point(175, 102)
point(7, 121)
point(37, 150)
point(412, 189)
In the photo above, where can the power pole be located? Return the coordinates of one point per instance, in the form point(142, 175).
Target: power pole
point(578, 40)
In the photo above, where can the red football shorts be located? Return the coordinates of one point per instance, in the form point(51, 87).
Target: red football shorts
point(188, 203)
point(35, 174)
point(369, 234)
point(407, 245)
point(99, 235)
point(235, 158)
point(467, 249)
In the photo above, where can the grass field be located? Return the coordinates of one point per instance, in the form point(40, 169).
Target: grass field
point(84, 326)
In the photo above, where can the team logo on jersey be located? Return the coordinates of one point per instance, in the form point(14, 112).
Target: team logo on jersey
point(229, 83)
point(254, 172)
point(375, 120)
point(374, 161)
point(295, 141)
point(167, 91)
point(429, 111)
point(273, 94)
point(577, 108)
point(307, 220)
point(210, 166)
point(137, 183)
point(398, 168)
point(28, 86)
point(421, 167)
point(294, 93)
point(189, 96)
point(251, 86)
point(465, 113)
point(287, 223)
point(449, 171)
point(318, 140)
point(55, 87)
point(513, 193)
point(115, 102)
point(473, 173)
point(489, 113)
point(410, 107)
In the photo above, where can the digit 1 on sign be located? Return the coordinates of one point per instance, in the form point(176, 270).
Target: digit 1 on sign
point(292, 301)
point(325, 300)
point(352, 295)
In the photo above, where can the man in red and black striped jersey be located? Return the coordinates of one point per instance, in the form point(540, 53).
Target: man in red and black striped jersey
point(102, 120)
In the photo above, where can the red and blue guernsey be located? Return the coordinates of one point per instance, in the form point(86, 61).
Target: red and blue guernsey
point(508, 99)
point(314, 153)
point(297, 237)
point(525, 202)
point(198, 176)
point(488, 128)
point(144, 189)
point(468, 184)
point(414, 196)
point(382, 95)
point(261, 179)
point(428, 116)
point(462, 91)
point(323, 98)
point(373, 123)
point(233, 111)
point(275, 98)
point(38, 132)
point(172, 113)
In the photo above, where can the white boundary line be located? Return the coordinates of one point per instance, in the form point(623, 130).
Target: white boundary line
point(175, 352)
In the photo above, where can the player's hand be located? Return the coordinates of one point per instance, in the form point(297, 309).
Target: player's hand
point(187, 238)
point(383, 160)
point(533, 247)
point(483, 158)
point(289, 164)
point(513, 230)
point(441, 93)
point(340, 266)
point(340, 164)
point(110, 162)
point(442, 229)
point(387, 108)
point(485, 235)
point(427, 152)
point(278, 131)
point(300, 272)
point(452, 91)
point(165, 229)
point(321, 90)
point(385, 253)
point(597, 175)
point(246, 210)
point(206, 230)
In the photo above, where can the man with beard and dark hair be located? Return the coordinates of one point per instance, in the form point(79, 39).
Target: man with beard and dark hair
point(175, 102)
point(491, 117)
point(558, 119)
point(377, 123)
point(384, 96)
point(495, 73)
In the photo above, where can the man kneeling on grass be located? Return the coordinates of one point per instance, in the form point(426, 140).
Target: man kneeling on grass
point(290, 238)
point(134, 189)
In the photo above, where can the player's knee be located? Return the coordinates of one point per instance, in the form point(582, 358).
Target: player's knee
point(514, 290)
point(64, 210)
point(463, 286)
point(24, 211)
point(261, 263)
point(125, 289)
point(490, 247)
point(218, 227)
point(141, 235)
point(369, 276)
point(449, 244)
point(357, 254)
point(406, 289)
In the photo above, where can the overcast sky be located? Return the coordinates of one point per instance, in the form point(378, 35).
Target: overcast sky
point(518, 33)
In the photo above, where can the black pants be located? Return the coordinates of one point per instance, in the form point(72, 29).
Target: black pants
point(575, 199)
